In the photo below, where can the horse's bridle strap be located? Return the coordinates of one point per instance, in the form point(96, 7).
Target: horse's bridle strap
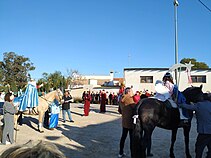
point(48, 101)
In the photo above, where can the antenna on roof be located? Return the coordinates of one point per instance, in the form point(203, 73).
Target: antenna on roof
point(129, 58)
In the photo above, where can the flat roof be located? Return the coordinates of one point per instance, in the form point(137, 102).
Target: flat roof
point(146, 69)
point(125, 69)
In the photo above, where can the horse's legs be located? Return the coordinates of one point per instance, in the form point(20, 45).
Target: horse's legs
point(149, 147)
point(147, 141)
point(186, 131)
point(20, 119)
point(40, 125)
point(173, 139)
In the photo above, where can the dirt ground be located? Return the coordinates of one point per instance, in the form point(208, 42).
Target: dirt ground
point(97, 135)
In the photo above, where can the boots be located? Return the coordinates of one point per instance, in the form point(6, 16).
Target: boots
point(182, 117)
point(183, 120)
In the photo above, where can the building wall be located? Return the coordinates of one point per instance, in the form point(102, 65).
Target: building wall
point(132, 78)
point(96, 80)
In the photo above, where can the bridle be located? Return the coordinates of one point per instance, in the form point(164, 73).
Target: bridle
point(48, 101)
point(59, 94)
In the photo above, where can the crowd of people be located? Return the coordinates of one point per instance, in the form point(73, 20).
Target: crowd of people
point(96, 97)
point(127, 100)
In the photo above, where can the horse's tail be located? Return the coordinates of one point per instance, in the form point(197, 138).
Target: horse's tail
point(137, 133)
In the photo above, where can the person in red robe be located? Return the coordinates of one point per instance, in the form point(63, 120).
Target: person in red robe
point(136, 97)
point(103, 102)
point(87, 99)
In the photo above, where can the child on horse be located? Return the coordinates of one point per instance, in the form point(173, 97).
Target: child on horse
point(174, 93)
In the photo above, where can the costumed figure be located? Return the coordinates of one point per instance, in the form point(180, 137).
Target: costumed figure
point(103, 102)
point(54, 115)
point(30, 97)
point(136, 97)
point(166, 90)
point(87, 99)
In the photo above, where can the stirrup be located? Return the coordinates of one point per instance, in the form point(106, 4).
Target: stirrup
point(183, 123)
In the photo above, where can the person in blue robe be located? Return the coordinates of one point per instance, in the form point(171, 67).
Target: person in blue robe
point(54, 115)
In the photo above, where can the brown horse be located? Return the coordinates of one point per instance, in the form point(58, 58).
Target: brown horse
point(44, 103)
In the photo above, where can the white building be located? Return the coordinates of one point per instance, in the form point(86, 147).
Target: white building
point(145, 78)
point(97, 80)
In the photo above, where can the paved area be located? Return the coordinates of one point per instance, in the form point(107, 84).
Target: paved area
point(97, 135)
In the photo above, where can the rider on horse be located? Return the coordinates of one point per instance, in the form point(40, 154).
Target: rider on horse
point(167, 90)
point(30, 97)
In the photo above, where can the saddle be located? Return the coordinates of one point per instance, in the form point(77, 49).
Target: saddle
point(167, 104)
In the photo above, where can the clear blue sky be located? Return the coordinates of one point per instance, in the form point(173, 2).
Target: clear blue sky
point(96, 36)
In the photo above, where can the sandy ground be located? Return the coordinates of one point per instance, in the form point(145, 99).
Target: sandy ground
point(97, 135)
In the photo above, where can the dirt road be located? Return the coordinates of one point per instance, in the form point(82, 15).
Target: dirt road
point(97, 135)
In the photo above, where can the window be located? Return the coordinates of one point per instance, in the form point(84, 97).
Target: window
point(146, 79)
point(198, 79)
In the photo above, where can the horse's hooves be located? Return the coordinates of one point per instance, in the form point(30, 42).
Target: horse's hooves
point(189, 156)
point(149, 155)
point(41, 131)
point(172, 156)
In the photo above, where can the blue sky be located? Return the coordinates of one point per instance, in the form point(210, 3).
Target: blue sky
point(96, 36)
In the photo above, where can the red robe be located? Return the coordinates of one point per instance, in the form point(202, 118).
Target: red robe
point(87, 100)
point(136, 98)
point(103, 102)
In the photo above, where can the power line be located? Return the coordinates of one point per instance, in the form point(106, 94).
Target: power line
point(205, 5)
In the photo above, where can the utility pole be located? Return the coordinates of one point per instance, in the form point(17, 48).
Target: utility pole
point(176, 4)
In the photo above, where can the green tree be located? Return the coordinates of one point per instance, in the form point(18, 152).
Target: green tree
point(52, 80)
point(197, 65)
point(15, 70)
point(1, 74)
point(44, 81)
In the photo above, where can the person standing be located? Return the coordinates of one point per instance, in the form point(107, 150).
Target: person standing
point(110, 98)
point(8, 111)
point(127, 121)
point(54, 115)
point(97, 97)
point(121, 91)
point(83, 95)
point(103, 102)
point(136, 97)
point(87, 99)
point(92, 98)
point(203, 117)
point(66, 99)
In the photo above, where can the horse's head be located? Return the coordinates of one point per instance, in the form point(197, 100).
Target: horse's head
point(59, 95)
point(207, 96)
point(193, 94)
